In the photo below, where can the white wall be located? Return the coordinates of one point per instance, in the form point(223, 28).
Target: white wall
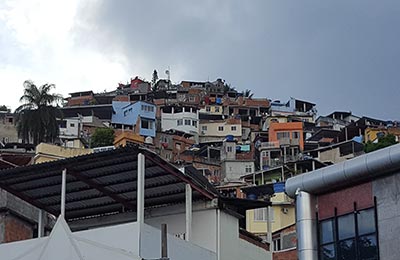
point(178, 249)
point(203, 226)
point(233, 247)
point(169, 121)
point(71, 129)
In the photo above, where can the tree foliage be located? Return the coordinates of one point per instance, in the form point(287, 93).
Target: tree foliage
point(247, 93)
point(102, 137)
point(228, 87)
point(154, 80)
point(384, 141)
point(4, 108)
point(37, 117)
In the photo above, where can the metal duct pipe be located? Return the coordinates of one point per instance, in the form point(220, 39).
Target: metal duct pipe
point(306, 227)
point(344, 174)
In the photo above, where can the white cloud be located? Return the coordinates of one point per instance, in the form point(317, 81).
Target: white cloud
point(41, 34)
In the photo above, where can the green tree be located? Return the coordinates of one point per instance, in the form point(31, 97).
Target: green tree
point(102, 137)
point(154, 80)
point(37, 117)
point(384, 141)
point(247, 93)
point(4, 108)
point(228, 87)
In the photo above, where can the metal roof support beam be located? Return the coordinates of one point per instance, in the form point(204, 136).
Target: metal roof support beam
point(63, 191)
point(164, 166)
point(188, 200)
point(140, 189)
point(40, 224)
point(102, 189)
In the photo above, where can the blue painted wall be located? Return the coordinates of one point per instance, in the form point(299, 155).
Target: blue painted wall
point(126, 113)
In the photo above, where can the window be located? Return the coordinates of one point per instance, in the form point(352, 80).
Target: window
point(220, 128)
point(216, 109)
point(261, 214)
point(229, 149)
point(248, 169)
point(203, 128)
point(147, 124)
point(277, 244)
point(208, 109)
point(187, 121)
point(179, 122)
point(295, 135)
point(72, 125)
point(194, 123)
point(351, 236)
point(233, 128)
point(281, 135)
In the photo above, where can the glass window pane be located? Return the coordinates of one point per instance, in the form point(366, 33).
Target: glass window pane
point(328, 252)
point(327, 229)
point(367, 247)
point(366, 221)
point(346, 227)
point(347, 249)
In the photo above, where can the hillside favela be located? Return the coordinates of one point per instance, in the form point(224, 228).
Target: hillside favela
point(199, 170)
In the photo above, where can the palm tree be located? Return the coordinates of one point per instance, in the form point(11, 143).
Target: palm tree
point(37, 117)
point(247, 93)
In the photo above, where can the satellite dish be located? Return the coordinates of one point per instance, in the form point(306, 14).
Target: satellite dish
point(148, 140)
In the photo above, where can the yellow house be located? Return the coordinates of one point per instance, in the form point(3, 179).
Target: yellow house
point(210, 130)
point(282, 215)
point(124, 138)
point(49, 152)
point(372, 134)
point(212, 109)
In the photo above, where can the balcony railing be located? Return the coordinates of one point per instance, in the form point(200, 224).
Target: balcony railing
point(274, 144)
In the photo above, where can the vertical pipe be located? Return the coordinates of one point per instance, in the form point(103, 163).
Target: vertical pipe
point(140, 189)
point(40, 224)
point(218, 234)
point(164, 242)
point(262, 177)
point(188, 196)
point(306, 226)
point(269, 225)
point(63, 191)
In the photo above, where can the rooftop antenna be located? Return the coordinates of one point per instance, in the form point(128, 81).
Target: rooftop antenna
point(168, 72)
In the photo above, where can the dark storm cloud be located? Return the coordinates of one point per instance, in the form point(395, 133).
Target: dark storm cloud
point(342, 55)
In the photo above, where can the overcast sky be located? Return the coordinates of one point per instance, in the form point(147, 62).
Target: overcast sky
point(341, 55)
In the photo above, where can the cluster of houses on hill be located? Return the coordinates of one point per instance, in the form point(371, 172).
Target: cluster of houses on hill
point(246, 147)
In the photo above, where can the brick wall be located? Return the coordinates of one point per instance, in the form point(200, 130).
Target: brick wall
point(285, 255)
point(15, 229)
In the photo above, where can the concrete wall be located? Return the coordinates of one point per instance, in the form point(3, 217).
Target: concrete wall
point(8, 133)
point(169, 121)
point(387, 193)
point(212, 129)
point(49, 152)
point(233, 170)
point(203, 226)
point(178, 249)
point(232, 247)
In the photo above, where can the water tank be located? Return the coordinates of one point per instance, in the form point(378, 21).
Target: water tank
point(148, 140)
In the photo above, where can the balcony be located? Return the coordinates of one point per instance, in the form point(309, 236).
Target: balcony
point(266, 145)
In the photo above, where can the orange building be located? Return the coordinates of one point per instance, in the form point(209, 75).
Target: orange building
point(287, 134)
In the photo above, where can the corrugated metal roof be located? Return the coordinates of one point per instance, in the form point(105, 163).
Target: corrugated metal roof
point(103, 183)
